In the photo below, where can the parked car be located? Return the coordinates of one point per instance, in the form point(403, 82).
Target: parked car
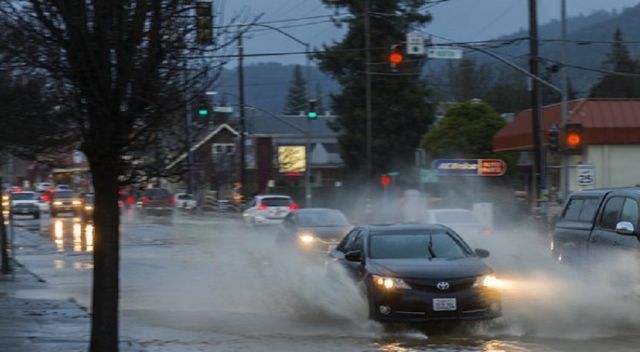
point(156, 201)
point(65, 201)
point(462, 221)
point(43, 186)
point(595, 224)
point(268, 209)
point(25, 203)
point(418, 273)
point(185, 201)
point(314, 229)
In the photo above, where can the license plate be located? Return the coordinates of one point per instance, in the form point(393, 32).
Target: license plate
point(444, 304)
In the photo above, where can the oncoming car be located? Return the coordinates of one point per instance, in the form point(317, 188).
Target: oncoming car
point(314, 229)
point(419, 273)
point(65, 202)
point(269, 209)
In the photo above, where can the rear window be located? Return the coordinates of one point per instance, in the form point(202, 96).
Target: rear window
point(276, 202)
point(24, 196)
point(156, 193)
point(185, 197)
point(581, 209)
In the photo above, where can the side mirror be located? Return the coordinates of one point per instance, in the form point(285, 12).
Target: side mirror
point(625, 228)
point(353, 256)
point(482, 253)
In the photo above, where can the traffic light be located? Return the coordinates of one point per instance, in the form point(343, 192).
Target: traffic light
point(312, 109)
point(573, 138)
point(396, 57)
point(202, 110)
point(554, 139)
point(204, 25)
point(385, 180)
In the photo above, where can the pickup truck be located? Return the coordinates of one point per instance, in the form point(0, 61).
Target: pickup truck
point(596, 224)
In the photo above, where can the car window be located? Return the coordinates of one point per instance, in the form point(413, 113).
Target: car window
point(185, 197)
point(611, 213)
point(438, 244)
point(589, 210)
point(573, 209)
point(358, 242)
point(630, 211)
point(347, 240)
point(24, 196)
point(156, 193)
point(276, 202)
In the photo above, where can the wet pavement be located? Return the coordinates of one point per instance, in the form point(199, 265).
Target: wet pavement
point(208, 283)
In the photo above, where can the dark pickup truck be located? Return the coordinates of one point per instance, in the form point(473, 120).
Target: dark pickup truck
point(596, 224)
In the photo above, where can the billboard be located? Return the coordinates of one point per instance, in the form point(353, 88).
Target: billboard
point(469, 167)
point(292, 159)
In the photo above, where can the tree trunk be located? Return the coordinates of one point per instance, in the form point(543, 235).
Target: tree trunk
point(106, 255)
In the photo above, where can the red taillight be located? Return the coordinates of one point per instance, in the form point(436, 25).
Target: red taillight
point(294, 206)
point(130, 200)
point(145, 199)
point(486, 232)
point(120, 204)
point(261, 207)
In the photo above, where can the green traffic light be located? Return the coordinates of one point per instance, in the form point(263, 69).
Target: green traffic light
point(203, 112)
point(312, 115)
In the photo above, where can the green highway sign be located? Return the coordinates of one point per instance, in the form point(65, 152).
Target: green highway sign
point(444, 52)
point(429, 176)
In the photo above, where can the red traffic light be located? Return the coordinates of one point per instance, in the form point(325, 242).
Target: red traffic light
point(385, 180)
point(396, 56)
point(573, 138)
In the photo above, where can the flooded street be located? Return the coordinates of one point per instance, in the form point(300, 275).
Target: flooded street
point(203, 284)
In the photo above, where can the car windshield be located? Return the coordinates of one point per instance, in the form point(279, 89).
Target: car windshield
point(63, 194)
point(24, 196)
point(455, 217)
point(322, 218)
point(276, 202)
point(156, 193)
point(185, 197)
point(436, 244)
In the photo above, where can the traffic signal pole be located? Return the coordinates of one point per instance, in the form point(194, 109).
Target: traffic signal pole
point(367, 74)
point(564, 171)
point(538, 157)
point(243, 172)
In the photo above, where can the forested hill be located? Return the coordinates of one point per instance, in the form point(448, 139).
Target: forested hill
point(266, 83)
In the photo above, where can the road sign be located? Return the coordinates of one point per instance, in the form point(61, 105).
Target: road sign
point(227, 109)
point(444, 52)
point(586, 175)
point(469, 167)
point(429, 176)
point(393, 173)
point(415, 43)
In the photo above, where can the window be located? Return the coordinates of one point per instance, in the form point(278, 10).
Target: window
point(630, 211)
point(217, 149)
point(276, 202)
point(230, 148)
point(347, 240)
point(611, 213)
point(438, 244)
point(222, 148)
point(572, 213)
point(358, 243)
point(589, 209)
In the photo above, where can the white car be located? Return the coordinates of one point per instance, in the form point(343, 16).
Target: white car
point(462, 221)
point(63, 187)
point(268, 209)
point(44, 186)
point(25, 203)
point(185, 201)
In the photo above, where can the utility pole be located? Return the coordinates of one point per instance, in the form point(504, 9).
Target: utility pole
point(308, 171)
point(4, 244)
point(243, 172)
point(367, 74)
point(564, 171)
point(188, 144)
point(538, 157)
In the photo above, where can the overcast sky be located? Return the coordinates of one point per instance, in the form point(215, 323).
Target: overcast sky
point(461, 20)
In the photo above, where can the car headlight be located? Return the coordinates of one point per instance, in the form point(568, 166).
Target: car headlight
point(76, 202)
point(489, 280)
point(389, 283)
point(88, 207)
point(57, 202)
point(306, 238)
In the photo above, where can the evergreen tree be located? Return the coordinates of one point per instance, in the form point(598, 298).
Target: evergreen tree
point(616, 85)
point(297, 95)
point(401, 113)
point(468, 80)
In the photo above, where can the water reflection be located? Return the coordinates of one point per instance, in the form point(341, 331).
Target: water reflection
point(76, 235)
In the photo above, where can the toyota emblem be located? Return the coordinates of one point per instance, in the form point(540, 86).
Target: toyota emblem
point(443, 285)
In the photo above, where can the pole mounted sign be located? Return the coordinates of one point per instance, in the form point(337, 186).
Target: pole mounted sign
point(469, 167)
point(586, 175)
point(415, 43)
point(444, 52)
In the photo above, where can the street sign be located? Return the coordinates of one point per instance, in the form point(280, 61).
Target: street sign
point(429, 176)
point(415, 43)
point(586, 175)
point(444, 52)
point(227, 109)
point(469, 167)
point(393, 173)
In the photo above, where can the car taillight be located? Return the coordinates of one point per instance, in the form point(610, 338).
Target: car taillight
point(261, 207)
point(130, 200)
point(145, 199)
point(120, 204)
point(294, 206)
point(486, 232)
point(173, 200)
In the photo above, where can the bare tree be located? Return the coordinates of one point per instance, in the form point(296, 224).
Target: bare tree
point(121, 70)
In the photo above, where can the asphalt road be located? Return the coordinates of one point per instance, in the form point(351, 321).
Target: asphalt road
point(209, 283)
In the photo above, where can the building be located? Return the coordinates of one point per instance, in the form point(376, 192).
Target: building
point(610, 139)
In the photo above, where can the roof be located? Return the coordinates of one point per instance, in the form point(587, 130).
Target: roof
point(401, 227)
point(208, 137)
point(604, 121)
point(294, 125)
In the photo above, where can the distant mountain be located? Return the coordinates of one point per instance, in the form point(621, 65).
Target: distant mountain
point(266, 85)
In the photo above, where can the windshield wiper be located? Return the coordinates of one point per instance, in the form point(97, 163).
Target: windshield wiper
point(430, 248)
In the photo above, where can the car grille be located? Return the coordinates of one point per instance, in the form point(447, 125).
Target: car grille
point(431, 285)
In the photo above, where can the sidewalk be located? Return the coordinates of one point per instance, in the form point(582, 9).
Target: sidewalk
point(28, 324)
